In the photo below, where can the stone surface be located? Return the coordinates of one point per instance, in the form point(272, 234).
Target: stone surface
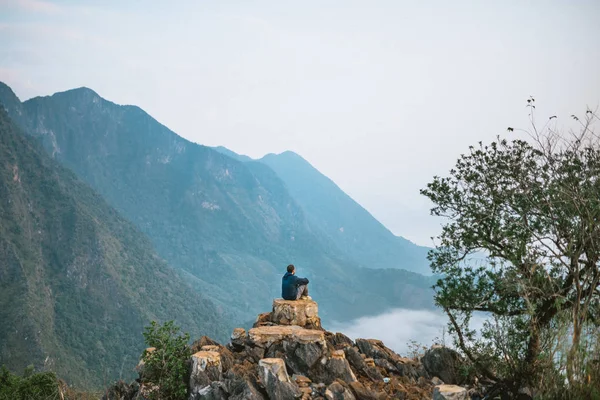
point(263, 319)
point(329, 369)
point(337, 391)
point(240, 382)
point(275, 380)
point(339, 341)
point(444, 363)
point(301, 380)
point(304, 313)
point(203, 341)
point(361, 392)
point(213, 391)
point(238, 338)
point(449, 392)
point(265, 335)
point(206, 368)
point(437, 381)
point(238, 334)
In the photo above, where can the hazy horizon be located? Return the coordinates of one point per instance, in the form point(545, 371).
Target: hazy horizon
point(380, 97)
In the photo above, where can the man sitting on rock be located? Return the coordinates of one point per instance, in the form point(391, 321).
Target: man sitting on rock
point(292, 287)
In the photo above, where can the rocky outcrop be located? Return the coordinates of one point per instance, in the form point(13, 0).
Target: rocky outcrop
point(278, 359)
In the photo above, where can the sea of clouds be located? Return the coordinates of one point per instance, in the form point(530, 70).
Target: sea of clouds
point(399, 327)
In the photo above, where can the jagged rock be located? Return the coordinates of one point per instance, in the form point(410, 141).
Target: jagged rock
point(437, 381)
point(206, 368)
point(361, 392)
point(373, 374)
point(339, 341)
point(264, 336)
point(331, 368)
point(444, 363)
point(355, 359)
point(304, 313)
point(275, 380)
point(263, 319)
point(207, 344)
point(301, 380)
point(203, 341)
point(449, 392)
point(358, 363)
point(337, 391)
point(376, 350)
point(214, 391)
point(411, 369)
point(241, 383)
point(256, 353)
point(372, 348)
point(238, 338)
point(385, 364)
point(299, 357)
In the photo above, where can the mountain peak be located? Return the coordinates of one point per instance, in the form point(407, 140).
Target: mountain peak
point(9, 99)
point(83, 93)
point(286, 155)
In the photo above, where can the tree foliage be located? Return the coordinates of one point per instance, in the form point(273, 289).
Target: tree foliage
point(532, 208)
point(165, 365)
point(41, 385)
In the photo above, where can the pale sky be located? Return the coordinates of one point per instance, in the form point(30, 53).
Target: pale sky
point(378, 95)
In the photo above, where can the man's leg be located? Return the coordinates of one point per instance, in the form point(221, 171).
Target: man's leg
point(302, 291)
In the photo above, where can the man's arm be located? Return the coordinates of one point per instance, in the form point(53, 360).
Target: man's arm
point(301, 281)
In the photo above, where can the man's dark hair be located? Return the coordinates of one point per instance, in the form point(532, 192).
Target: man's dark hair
point(291, 268)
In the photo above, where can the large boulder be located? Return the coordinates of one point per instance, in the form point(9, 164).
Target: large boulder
point(275, 380)
point(304, 313)
point(444, 363)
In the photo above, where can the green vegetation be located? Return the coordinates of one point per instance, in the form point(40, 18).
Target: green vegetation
point(77, 281)
point(37, 386)
point(166, 365)
point(42, 385)
point(531, 207)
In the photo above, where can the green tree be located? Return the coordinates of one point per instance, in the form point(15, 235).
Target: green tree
point(532, 208)
point(165, 362)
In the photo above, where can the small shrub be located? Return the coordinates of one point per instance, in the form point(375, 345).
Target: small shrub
point(30, 386)
point(165, 367)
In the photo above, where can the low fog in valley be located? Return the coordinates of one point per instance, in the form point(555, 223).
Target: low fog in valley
point(401, 329)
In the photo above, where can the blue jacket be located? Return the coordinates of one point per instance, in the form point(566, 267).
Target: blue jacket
point(289, 286)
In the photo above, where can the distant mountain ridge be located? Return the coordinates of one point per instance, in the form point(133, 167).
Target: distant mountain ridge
point(77, 281)
point(230, 225)
point(340, 218)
